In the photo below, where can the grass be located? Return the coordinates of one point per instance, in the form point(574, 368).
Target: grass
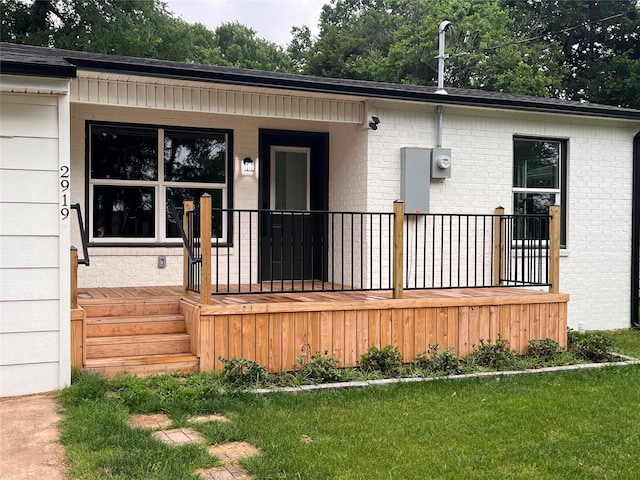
point(577, 424)
point(627, 341)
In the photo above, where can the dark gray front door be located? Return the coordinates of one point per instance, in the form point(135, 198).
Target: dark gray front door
point(293, 183)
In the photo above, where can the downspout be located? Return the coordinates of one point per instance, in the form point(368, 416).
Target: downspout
point(635, 235)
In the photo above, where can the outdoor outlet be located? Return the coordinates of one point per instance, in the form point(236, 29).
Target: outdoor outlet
point(162, 261)
point(581, 327)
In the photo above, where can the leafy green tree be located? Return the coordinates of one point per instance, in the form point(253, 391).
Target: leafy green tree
point(596, 45)
point(239, 47)
point(138, 28)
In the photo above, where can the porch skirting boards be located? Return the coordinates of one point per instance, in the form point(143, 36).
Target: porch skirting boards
point(274, 329)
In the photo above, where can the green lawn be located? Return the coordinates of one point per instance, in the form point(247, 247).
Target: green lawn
point(574, 425)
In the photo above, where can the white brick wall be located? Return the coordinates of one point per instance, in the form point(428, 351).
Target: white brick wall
point(595, 267)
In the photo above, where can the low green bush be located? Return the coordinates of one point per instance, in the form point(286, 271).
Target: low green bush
point(243, 373)
point(496, 356)
point(544, 351)
point(319, 367)
point(438, 362)
point(593, 347)
point(387, 360)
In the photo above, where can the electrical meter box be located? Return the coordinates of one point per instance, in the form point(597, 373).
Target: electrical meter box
point(415, 176)
point(441, 162)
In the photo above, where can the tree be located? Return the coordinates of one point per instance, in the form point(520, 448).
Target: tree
point(397, 41)
point(239, 47)
point(138, 28)
point(596, 45)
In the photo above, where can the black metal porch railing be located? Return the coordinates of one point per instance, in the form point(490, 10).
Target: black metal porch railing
point(461, 251)
point(257, 251)
point(525, 259)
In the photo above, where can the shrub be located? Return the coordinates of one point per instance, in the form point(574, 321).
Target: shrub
point(546, 350)
point(593, 347)
point(319, 367)
point(498, 356)
point(443, 362)
point(387, 360)
point(243, 373)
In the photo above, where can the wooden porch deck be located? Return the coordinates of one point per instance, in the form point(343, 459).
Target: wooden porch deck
point(274, 328)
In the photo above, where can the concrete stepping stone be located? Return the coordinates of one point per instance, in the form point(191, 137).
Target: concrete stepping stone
point(156, 421)
point(230, 453)
point(215, 417)
point(179, 436)
point(230, 472)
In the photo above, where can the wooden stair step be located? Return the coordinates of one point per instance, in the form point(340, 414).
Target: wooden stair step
point(131, 309)
point(134, 325)
point(134, 345)
point(144, 364)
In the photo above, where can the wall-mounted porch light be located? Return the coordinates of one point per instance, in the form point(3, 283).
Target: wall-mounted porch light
point(248, 166)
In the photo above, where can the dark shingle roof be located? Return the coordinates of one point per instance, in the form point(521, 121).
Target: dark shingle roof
point(30, 60)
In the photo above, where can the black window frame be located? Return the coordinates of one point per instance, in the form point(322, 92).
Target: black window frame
point(562, 172)
point(160, 239)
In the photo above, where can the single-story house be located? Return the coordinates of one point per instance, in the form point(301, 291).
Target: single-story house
point(123, 136)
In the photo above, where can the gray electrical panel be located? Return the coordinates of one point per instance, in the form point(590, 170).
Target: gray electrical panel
point(441, 163)
point(415, 180)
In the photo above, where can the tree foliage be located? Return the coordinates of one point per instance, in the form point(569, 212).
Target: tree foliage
point(138, 28)
point(576, 49)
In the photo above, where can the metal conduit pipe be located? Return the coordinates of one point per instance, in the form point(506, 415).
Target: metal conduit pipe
point(444, 26)
point(439, 126)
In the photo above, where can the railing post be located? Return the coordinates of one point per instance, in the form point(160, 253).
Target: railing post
point(74, 277)
point(499, 235)
point(398, 247)
point(188, 207)
point(76, 315)
point(205, 246)
point(554, 249)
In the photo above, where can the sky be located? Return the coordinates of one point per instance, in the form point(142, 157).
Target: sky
point(271, 19)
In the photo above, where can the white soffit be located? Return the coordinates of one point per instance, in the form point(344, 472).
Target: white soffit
point(176, 94)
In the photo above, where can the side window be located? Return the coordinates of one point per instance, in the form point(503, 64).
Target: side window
point(539, 178)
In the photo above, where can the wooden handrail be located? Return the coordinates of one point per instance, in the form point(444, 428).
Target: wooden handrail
point(398, 247)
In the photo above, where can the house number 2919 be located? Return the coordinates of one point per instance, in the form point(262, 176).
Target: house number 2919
point(64, 187)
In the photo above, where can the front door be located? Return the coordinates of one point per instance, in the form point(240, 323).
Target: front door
point(293, 184)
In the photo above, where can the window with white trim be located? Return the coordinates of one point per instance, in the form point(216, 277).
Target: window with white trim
point(135, 171)
point(539, 178)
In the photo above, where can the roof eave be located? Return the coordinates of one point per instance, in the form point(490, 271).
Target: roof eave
point(250, 78)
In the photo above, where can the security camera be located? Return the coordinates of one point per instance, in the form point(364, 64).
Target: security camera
point(373, 122)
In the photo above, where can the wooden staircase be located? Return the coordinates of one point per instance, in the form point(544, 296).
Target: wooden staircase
point(140, 336)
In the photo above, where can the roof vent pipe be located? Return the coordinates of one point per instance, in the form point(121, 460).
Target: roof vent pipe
point(444, 26)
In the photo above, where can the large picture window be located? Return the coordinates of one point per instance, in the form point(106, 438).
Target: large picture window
point(539, 178)
point(136, 171)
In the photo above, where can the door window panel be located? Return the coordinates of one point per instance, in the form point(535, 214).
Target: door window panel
point(291, 181)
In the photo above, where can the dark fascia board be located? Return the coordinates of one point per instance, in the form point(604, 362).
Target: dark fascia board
point(254, 78)
point(38, 69)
